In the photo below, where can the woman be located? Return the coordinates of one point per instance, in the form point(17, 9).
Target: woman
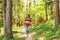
point(27, 23)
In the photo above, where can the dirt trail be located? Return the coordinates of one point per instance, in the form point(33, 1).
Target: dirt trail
point(29, 37)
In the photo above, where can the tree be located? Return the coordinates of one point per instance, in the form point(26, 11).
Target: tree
point(4, 14)
point(27, 6)
point(1, 19)
point(57, 18)
point(9, 19)
point(51, 10)
point(51, 7)
point(46, 10)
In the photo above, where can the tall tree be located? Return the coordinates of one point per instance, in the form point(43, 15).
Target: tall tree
point(4, 14)
point(1, 20)
point(27, 6)
point(9, 19)
point(51, 7)
point(46, 10)
point(51, 10)
point(57, 19)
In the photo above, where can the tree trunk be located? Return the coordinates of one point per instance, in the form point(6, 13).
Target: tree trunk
point(27, 6)
point(46, 10)
point(57, 19)
point(51, 10)
point(4, 15)
point(9, 19)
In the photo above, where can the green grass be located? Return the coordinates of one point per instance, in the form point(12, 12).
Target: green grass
point(47, 30)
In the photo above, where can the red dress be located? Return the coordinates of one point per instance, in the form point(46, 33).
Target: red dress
point(27, 23)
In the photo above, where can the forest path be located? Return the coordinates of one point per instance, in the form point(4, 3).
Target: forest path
point(29, 37)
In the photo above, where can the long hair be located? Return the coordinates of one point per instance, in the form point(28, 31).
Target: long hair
point(28, 15)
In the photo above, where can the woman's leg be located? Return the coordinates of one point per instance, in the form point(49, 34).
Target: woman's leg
point(27, 30)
